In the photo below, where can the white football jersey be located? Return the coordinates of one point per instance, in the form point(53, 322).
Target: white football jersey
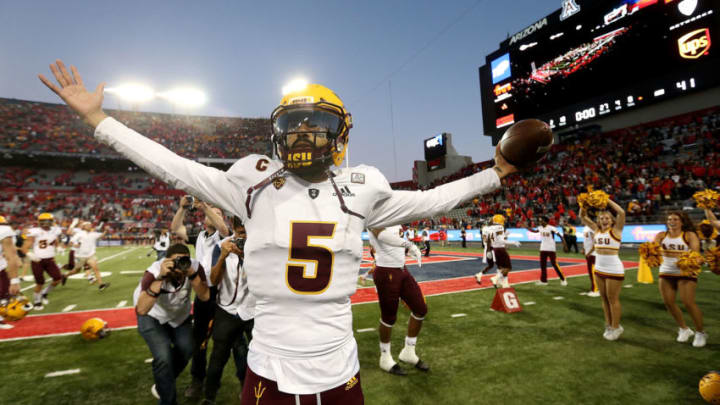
point(386, 255)
point(45, 241)
point(87, 241)
point(5, 232)
point(496, 234)
point(303, 252)
point(547, 238)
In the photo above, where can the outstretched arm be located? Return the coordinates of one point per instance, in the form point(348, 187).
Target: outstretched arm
point(587, 221)
point(177, 226)
point(619, 216)
point(712, 218)
point(196, 179)
point(405, 206)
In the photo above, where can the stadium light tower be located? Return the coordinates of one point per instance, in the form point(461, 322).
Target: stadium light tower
point(184, 97)
point(134, 93)
point(294, 85)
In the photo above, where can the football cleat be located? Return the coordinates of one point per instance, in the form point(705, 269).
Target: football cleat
point(541, 283)
point(593, 294)
point(563, 283)
point(103, 286)
point(94, 329)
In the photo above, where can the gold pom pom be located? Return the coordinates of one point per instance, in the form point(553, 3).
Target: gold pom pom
point(690, 262)
point(598, 199)
point(712, 258)
point(706, 199)
point(650, 251)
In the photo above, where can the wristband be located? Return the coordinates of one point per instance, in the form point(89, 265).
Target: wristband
point(152, 293)
point(192, 276)
point(14, 281)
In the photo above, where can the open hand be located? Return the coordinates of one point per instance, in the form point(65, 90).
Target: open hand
point(72, 91)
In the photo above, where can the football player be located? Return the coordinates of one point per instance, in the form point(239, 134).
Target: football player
point(547, 250)
point(87, 240)
point(43, 238)
point(9, 263)
point(488, 257)
point(303, 251)
point(497, 235)
point(394, 283)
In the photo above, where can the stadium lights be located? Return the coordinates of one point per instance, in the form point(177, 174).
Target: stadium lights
point(527, 46)
point(184, 96)
point(558, 35)
point(133, 92)
point(294, 85)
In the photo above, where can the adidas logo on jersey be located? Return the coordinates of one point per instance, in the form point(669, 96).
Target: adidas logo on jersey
point(345, 192)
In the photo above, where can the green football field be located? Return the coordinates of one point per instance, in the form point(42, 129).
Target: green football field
point(550, 353)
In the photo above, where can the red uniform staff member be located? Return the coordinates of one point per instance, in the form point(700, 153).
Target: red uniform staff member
point(547, 250)
point(393, 283)
point(680, 238)
point(609, 270)
point(43, 239)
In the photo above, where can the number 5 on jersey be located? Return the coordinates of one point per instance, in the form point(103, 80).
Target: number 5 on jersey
point(301, 253)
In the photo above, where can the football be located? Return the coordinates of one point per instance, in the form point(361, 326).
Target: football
point(710, 387)
point(526, 142)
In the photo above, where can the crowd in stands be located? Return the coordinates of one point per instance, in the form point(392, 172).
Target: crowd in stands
point(44, 128)
point(645, 168)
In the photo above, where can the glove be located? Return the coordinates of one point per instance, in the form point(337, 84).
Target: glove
point(415, 253)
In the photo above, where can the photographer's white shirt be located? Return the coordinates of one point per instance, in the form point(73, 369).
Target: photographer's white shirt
point(204, 248)
point(234, 296)
point(174, 306)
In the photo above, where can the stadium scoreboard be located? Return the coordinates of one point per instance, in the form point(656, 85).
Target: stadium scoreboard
point(435, 151)
point(594, 58)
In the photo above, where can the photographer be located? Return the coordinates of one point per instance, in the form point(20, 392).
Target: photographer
point(162, 241)
point(162, 305)
point(232, 328)
point(203, 312)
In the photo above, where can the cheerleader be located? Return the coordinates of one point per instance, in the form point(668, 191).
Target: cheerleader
point(609, 270)
point(680, 238)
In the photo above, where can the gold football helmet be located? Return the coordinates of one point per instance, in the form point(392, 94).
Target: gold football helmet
point(15, 308)
point(94, 329)
point(310, 128)
point(498, 219)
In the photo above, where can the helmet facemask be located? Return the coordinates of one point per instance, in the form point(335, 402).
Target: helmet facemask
point(310, 138)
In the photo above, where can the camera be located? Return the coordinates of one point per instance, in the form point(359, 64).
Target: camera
point(181, 265)
point(240, 243)
point(191, 203)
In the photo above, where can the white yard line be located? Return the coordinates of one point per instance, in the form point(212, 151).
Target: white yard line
point(149, 360)
point(118, 254)
point(63, 372)
point(121, 304)
point(365, 330)
point(132, 272)
point(69, 308)
point(57, 334)
point(457, 315)
point(558, 298)
point(529, 303)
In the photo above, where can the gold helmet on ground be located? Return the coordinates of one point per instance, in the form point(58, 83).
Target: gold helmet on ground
point(15, 308)
point(94, 329)
point(310, 128)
